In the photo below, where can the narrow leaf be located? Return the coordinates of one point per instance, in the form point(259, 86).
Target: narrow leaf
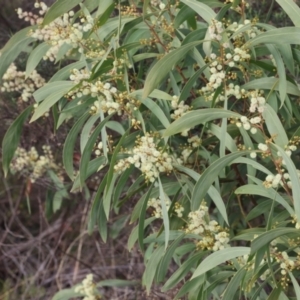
point(11, 139)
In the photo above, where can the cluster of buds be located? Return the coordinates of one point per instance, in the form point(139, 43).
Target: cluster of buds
point(146, 157)
point(257, 102)
point(63, 30)
point(215, 30)
point(105, 93)
point(214, 237)
point(31, 164)
point(88, 289)
point(247, 124)
point(156, 203)
point(32, 18)
point(252, 32)
point(16, 81)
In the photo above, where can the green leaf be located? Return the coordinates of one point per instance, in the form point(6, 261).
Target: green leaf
point(282, 84)
point(85, 158)
point(269, 193)
point(285, 35)
point(200, 116)
point(204, 11)
point(164, 66)
point(151, 267)
point(165, 214)
point(271, 235)
point(164, 263)
point(69, 145)
point(11, 138)
point(270, 84)
point(59, 8)
point(35, 57)
point(54, 96)
point(294, 179)
point(135, 232)
point(212, 191)
point(275, 294)
point(275, 127)
point(64, 73)
point(218, 258)
point(142, 216)
point(209, 176)
point(93, 167)
point(234, 284)
point(66, 294)
point(295, 284)
point(181, 272)
point(14, 47)
point(291, 9)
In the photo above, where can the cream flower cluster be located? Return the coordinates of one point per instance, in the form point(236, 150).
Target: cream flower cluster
point(156, 203)
point(63, 30)
point(16, 81)
point(32, 164)
point(287, 264)
point(215, 30)
point(179, 108)
point(88, 289)
point(146, 157)
point(257, 102)
point(275, 181)
point(247, 123)
point(213, 236)
point(32, 18)
point(252, 32)
point(105, 93)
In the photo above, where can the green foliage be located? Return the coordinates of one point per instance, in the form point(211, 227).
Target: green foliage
point(191, 110)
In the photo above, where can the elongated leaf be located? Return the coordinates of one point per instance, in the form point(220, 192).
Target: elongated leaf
point(218, 258)
point(260, 190)
point(59, 8)
point(267, 237)
point(294, 179)
point(66, 294)
point(93, 167)
point(271, 83)
point(182, 271)
point(286, 35)
point(204, 11)
point(193, 118)
point(165, 214)
point(291, 9)
point(212, 191)
point(296, 285)
point(275, 127)
point(11, 139)
point(35, 57)
point(50, 88)
point(151, 267)
point(135, 232)
point(48, 103)
point(282, 84)
point(14, 47)
point(164, 66)
point(141, 225)
point(209, 176)
point(65, 72)
point(234, 284)
point(85, 158)
point(164, 263)
point(69, 145)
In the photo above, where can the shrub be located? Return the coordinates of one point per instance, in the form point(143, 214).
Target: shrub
point(191, 109)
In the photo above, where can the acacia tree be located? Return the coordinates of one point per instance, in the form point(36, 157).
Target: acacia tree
point(199, 104)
